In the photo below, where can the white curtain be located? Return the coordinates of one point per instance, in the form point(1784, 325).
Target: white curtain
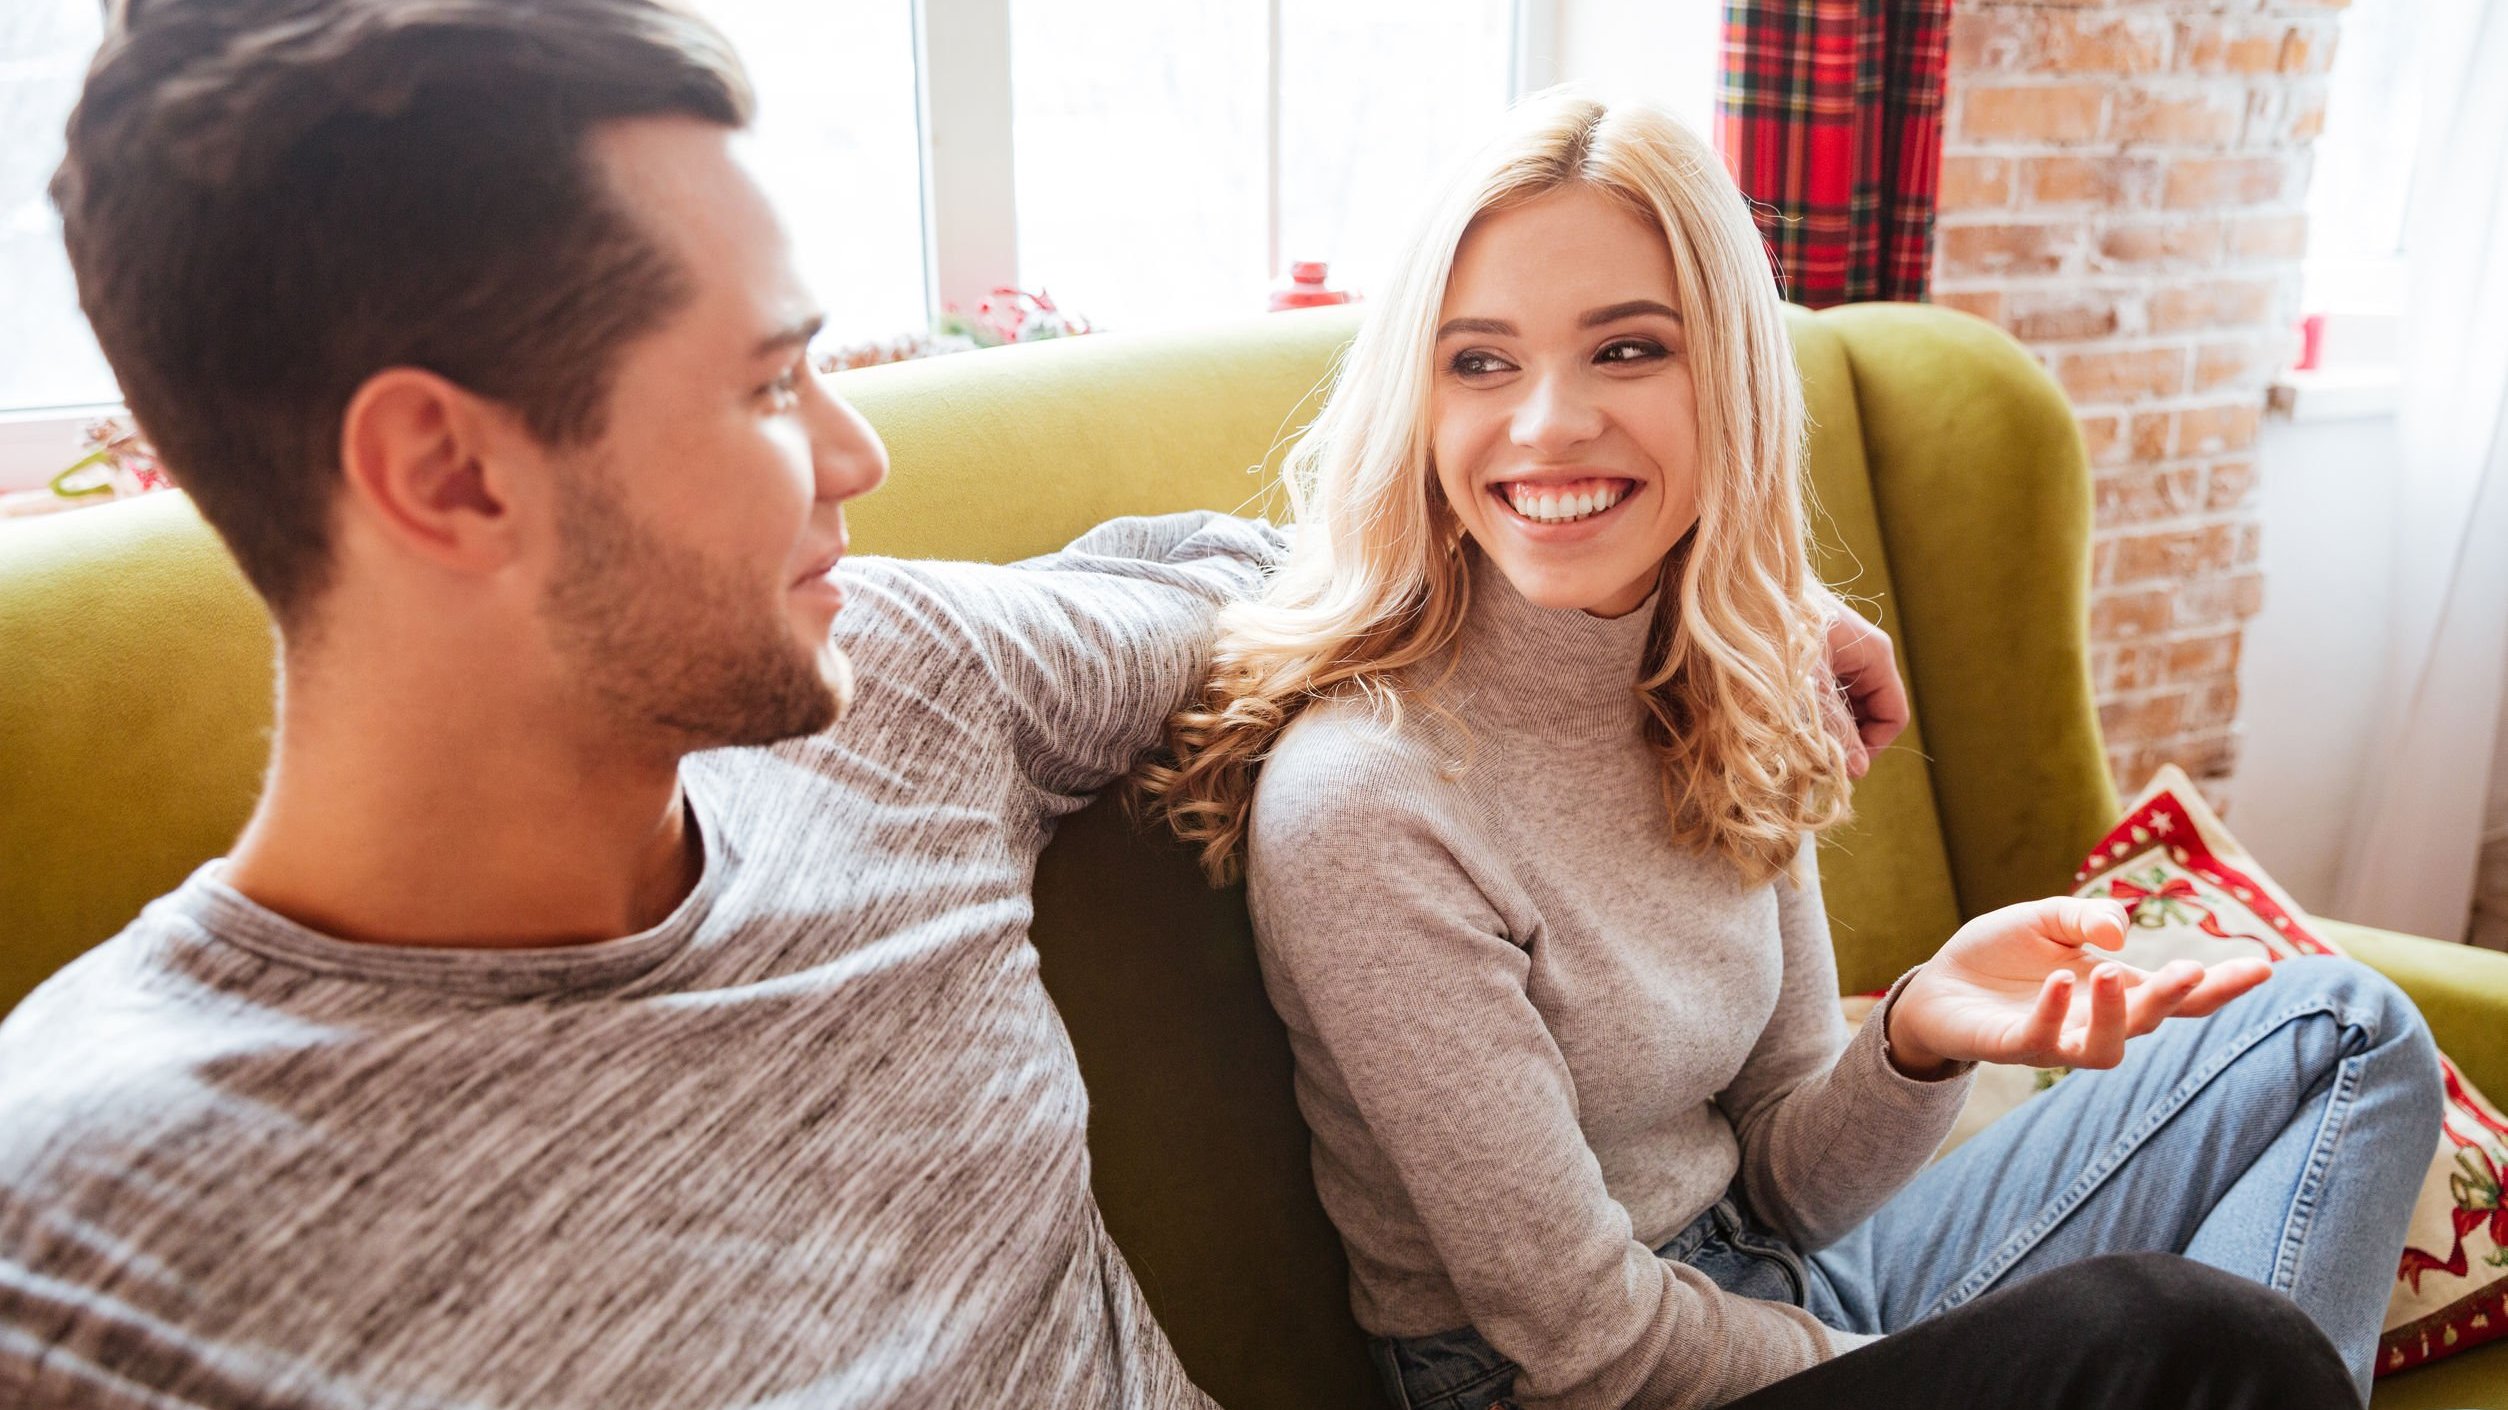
point(2411, 857)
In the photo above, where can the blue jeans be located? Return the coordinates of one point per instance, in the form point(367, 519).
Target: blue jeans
point(2283, 1139)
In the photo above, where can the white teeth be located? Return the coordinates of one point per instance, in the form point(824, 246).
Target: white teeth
point(1563, 509)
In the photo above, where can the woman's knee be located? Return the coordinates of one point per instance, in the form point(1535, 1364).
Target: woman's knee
point(2366, 1002)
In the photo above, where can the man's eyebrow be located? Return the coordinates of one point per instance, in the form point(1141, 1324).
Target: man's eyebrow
point(1494, 327)
point(1632, 309)
point(795, 334)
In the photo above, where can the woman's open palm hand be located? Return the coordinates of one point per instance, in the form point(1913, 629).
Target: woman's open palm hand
point(2021, 985)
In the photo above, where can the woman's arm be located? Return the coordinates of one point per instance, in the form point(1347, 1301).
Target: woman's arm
point(1435, 1088)
point(1830, 1128)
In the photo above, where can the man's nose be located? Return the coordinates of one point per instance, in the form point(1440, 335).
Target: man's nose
point(845, 452)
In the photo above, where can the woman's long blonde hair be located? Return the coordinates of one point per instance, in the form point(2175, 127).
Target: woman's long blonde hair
point(1739, 708)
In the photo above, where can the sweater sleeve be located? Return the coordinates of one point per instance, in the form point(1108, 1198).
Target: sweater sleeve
point(1399, 978)
point(1828, 1128)
point(1088, 650)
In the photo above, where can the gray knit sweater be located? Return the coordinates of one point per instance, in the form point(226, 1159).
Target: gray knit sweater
point(817, 1139)
point(1535, 1037)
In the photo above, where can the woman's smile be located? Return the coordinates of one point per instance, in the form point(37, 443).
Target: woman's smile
point(1554, 510)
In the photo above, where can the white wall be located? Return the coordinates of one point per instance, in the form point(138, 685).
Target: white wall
point(2310, 683)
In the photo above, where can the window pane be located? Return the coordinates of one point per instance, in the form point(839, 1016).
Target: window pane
point(838, 146)
point(47, 356)
point(1138, 128)
point(836, 140)
point(2361, 179)
point(1377, 99)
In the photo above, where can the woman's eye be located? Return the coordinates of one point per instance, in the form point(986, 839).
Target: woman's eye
point(1476, 364)
point(1628, 350)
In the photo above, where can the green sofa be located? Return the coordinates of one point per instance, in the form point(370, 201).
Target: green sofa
point(1952, 497)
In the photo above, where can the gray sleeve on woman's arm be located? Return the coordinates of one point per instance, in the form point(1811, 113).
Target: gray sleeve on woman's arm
point(1829, 1130)
point(1382, 950)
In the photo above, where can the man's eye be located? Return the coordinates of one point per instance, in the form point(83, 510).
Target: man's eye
point(784, 389)
point(1626, 350)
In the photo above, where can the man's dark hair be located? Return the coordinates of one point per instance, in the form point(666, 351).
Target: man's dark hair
point(268, 201)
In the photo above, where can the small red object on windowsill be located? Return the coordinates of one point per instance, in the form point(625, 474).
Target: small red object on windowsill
point(1306, 288)
point(2311, 343)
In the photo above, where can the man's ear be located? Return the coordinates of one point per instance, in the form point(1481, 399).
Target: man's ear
point(421, 457)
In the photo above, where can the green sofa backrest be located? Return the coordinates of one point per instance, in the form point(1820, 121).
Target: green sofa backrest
point(1952, 496)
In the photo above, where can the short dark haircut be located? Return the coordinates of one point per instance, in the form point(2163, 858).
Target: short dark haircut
point(267, 202)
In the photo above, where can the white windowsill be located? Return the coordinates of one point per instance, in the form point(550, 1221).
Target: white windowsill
point(37, 445)
point(2339, 394)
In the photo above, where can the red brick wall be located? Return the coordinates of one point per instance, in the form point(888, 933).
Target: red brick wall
point(2122, 189)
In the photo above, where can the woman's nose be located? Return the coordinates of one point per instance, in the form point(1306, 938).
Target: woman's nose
point(1555, 415)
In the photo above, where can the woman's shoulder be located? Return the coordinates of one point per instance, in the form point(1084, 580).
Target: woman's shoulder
point(1350, 763)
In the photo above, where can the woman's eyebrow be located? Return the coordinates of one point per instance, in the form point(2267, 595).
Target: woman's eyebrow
point(1494, 327)
point(1631, 309)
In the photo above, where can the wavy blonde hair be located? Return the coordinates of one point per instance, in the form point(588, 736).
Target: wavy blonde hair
point(1739, 708)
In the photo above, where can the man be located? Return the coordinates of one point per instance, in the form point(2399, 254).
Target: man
point(580, 1020)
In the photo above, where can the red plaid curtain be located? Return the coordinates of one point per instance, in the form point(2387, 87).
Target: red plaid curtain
point(1830, 115)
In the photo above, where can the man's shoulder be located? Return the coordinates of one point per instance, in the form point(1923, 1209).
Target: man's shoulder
point(114, 1044)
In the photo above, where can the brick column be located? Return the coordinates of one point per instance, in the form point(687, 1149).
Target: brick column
point(2122, 189)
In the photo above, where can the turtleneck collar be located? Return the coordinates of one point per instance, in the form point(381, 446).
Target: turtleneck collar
point(1560, 673)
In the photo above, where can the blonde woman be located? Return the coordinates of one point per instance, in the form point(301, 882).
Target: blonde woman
point(1521, 751)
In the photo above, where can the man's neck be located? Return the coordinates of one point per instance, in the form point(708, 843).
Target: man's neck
point(445, 829)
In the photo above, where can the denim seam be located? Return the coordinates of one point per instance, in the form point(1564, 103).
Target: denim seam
point(2303, 1200)
point(2017, 1247)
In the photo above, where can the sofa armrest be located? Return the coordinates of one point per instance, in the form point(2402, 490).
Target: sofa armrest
point(2462, 990)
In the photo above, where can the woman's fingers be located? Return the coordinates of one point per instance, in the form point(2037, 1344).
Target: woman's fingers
point(2151, 999)
point(2102, 923)
point(2043, 1031)
point(2101, 1041)
point(2074, 921)
point(2223, 982)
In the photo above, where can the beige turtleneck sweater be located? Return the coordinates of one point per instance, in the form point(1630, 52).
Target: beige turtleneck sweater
point(1535, 1037)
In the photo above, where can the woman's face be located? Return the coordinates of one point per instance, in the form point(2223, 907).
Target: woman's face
point(1562, 422)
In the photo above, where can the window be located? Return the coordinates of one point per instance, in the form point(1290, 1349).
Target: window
point(2351, 295)
point(1377, 99)
point(1173, 160)
point(1148, 163)
point(1138, 139)
point(835, 143)
point(47, 356)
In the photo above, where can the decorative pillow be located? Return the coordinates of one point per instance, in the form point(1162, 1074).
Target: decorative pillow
point(2196, 894)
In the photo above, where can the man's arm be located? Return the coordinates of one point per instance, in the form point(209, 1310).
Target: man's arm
point(1093, 647)
point(1088, 650)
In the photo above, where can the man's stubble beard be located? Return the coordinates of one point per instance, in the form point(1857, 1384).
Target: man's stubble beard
point(672, 643)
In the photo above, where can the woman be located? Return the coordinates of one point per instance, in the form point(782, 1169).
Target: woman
point(1541, 731)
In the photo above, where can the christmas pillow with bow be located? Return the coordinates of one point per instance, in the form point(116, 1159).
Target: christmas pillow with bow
point(2194, 893)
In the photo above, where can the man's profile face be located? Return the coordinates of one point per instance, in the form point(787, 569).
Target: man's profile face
point(688, 586)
